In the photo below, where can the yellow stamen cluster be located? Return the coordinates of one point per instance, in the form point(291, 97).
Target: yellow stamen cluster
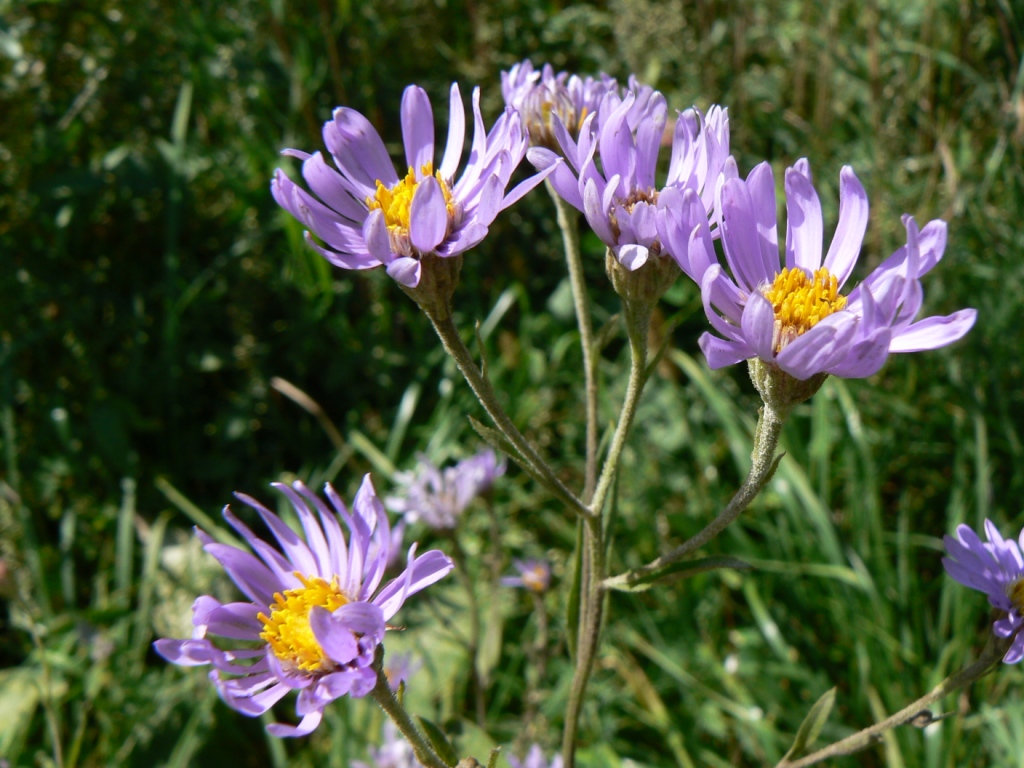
point(1015, 591)
point(800, 303)
point(287, 629)
point(396, 202)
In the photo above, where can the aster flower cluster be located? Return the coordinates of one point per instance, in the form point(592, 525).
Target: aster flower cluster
point(438, 497)
point(315, 610)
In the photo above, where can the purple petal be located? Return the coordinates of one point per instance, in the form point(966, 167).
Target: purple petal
point(719, 353)
point(327, 184)
point(336, 640)
point(803, 222)
point(490, 201)
point(306, 726)
point(252, 706)
point(249, 574)
point(235, 620)
point(1016, 652)
point(761, 185)
point(934, 332)
point(405, 270)
point(417, 129)
point(456, 135)
point(597, 216)
point(186, 653)
point(361, 618)
point(428, 215)
point(314, 533)
point(562, 178)
point(375, 234)
point(864, 358)
point(358, 151)
point(853, 223)
point(739, 237)
point(421, 573)
point(758, 324)
point(632, 256)
point(294, 547)
point(523, 187)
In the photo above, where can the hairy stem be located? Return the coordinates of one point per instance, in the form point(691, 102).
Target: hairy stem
point(570, 237)
point(384, 696)
point(484, 392)
point(592, 593)
point(763, 462)
point(990, 658)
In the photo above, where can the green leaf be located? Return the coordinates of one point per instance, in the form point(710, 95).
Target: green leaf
point(684, 569)
point(810, 728)
point(439, 742)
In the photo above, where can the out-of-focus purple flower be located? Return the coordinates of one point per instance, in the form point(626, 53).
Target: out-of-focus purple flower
point(393, 752)
point(621, 200)
point(367, 214)
point(539, 94)
point(399, 667)
point(313, 608)
point(996, 568)
point(439, 497)
point(535, 759)
point(793, 315)
point(534, 575)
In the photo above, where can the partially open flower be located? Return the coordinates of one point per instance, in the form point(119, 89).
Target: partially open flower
point(996, 568)
point(367, 214)
point(796, 315)
point(539, 95)
point(314, 615)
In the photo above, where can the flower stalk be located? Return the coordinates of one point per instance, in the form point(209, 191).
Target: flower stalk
point(570, 237)
point(384, 696)
point(989, 660)
point(484, 391)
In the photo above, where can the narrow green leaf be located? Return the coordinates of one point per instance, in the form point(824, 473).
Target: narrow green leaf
point(492, 761)
point(810, 728)
point(439, 742)
point(371, 453)
point(628, 582)
point(123, 551)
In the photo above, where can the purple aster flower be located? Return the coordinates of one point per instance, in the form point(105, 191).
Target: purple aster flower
point(996, 568)
point(793, 315)
point(439, 497)
point(394, 751)
point(539, 94)
point(534, 575)
point(621, 200)
point(368, 214)
point(535, 759)
point(313, 609)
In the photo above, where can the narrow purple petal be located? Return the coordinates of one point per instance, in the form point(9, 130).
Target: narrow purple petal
point(597, 216)
point(758, 323)
point(421, 573)
point(803, 222)
point(739, 237)
point(853, 223)
point(405, 270)
point(250, 575)
point(362, 618)
point(456, 135)
point(428, 216)
point(337, 641)
point(761, 185)
point(864, 358)
point(934, 332)
point(417, 128)
point(306, 726)
point(375, 234)
point(719, 353)
point(235, 620)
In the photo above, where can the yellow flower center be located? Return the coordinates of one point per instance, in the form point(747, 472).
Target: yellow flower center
point(1015, 591)
point(535, 579)
point(801, 302)
point(396, 202)
point(287, 629)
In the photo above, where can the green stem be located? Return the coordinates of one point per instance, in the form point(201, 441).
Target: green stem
point(484, 392)
point(990, 658)
point(592, 594)
point(636, 328)
point(762, 466)
point(384, 696)
point(570, 237)
point(592, 605)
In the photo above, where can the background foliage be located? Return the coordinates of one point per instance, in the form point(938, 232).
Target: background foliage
point(151, 292)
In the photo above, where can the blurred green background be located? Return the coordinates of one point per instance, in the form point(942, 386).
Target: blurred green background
point(151, 291)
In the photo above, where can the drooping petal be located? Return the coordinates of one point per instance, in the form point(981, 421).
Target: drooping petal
point(306, 726)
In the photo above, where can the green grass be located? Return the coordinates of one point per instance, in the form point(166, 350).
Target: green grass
point(150, 291)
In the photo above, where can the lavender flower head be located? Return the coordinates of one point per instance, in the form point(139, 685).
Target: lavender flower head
point(535, 759)
point(996, 568)
point(367, 214)
point(621, 201)
point(534, 575)
point(439, 497)
point(394, 751)
point(313, 609)
point(539, 94)
point(793, 315)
